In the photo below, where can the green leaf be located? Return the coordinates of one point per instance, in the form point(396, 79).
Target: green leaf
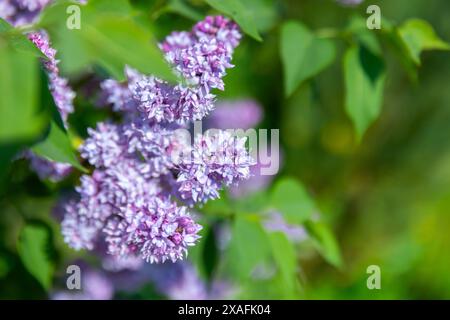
point(182, 8)
point(283, 252)
point(33, 246)
point(18, 41)
point(248, 248)
point(366, 37)
point(109, 36)
point(21, 118)
point(303, 54)
point(196, 254)
point(265, 11)
point(112, 39)
point(364, 75)
point(290, 198)
point(57, 147)
point(253, 202)
point(240, 13)
point(399, 48)
point(210, 254)
point(325, 242)
point(418, 35)
point(220, 207)
point(122, 7)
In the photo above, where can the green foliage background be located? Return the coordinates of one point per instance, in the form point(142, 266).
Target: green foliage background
point(364, 126)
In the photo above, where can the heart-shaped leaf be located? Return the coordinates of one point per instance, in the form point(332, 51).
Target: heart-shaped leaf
point(325, 242)
point(33, 249)
point(364, 82)
point(418, 35)
point(303, 54)
point(240, 13)
point(109, 36)
point(290, 198)
point(57, 147)
point(21, 118)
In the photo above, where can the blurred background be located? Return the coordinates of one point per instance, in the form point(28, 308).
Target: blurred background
point(386, 197)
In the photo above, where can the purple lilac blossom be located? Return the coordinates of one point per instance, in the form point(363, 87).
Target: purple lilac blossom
point(295, 233)
point(128, 202)
point(104, 146)
point(255, 183)
point(180, 281)
point(101, 196)
point(238, 114)
point(158, 231)
point(46, 169)
point(241, 114)
point(216, 159)
point(117, 95)
point(257, 180)
point(79, 228)
point(201, 58)
point(21, 12)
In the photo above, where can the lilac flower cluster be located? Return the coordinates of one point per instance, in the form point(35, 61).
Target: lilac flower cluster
point(158, 231)
point(46, 169)
point(242, 114)
point(21, 12)
point(201, 57)
point(144, 167)
point(217, 159)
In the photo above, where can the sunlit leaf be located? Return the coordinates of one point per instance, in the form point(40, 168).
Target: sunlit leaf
point(265, 13)
point(18, 41)
point(291, 199)
point(33, 248)
point(21, 117)
point(108, 36)
point(303, 54)
point(418, 35)
point(325, 242)
point(364, 75)
point(57, 147)
point(366, 37)
point(237, 10)
point(248, 248)
point(182, 8)
point(210, 253)
point(283, 252)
